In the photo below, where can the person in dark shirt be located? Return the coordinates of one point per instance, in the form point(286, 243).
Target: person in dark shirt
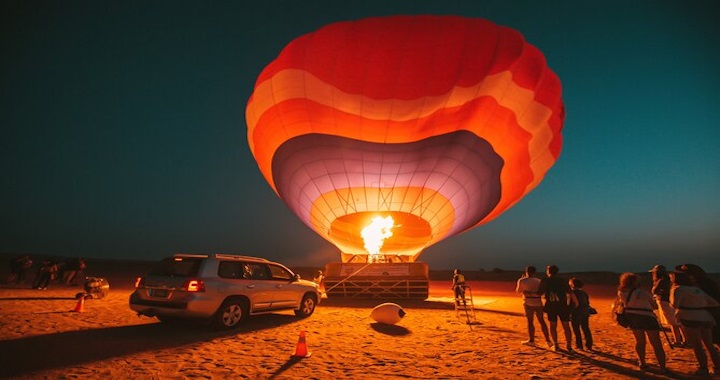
point(458, 287)
point(559, 300)
point(47, 272)
point(580, 315)
point(19, 267)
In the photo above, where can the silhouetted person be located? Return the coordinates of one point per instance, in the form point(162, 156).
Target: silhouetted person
point(661, 293)
point(708, 286)
point(692, 305)
point(80, 266)
point(458, 286)
point(559, 299)
point(19, 266)
point(580, 315)
point(68, 270)
point(529, 286)
point(46, 272)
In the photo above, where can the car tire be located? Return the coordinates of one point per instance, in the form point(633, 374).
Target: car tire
point(231, 313)
point(307, 306)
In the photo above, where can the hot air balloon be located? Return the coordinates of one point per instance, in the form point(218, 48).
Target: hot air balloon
point(430, 125)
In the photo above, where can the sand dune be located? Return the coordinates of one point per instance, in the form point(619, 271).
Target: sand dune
point(40, 338)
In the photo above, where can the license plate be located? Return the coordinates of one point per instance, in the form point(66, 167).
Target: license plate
point(159, 292)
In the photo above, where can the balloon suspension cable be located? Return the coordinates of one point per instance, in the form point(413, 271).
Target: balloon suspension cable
point(345, 279)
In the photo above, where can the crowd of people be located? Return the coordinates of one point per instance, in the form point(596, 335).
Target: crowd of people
point(686, 301)
point(564, 301)
point(65, 272)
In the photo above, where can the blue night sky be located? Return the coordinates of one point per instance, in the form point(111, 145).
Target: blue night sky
point(124, 135)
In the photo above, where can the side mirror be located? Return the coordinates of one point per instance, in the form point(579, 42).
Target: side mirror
point(295, 278)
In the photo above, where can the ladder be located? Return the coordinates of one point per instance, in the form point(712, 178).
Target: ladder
point(464, 307)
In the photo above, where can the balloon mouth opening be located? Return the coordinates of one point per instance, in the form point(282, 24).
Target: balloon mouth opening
point(408, 236)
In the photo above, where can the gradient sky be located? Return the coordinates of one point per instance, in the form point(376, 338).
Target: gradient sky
point(124, 135)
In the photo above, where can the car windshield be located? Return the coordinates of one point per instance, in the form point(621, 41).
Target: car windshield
point(177, 267)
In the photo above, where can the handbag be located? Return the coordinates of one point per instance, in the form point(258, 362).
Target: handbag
point(592, 310)
point(619, 310)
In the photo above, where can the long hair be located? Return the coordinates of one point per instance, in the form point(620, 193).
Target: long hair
point(629, 281)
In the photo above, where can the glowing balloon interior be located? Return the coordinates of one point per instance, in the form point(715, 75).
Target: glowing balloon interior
point(439, 123)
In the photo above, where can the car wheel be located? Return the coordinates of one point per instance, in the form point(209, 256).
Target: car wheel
point(307, 306)
point(230, 314)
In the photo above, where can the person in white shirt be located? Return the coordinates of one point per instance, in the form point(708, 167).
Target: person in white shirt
point(529, 285)
point(639, 310)
point(691, 305)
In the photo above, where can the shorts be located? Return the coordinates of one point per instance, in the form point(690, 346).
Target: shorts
point(642, 322)
point(554, 312)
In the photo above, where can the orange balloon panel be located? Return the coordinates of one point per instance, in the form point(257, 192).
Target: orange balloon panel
point(441, 122)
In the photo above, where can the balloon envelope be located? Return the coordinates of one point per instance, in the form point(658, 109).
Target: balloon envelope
point(441, 122)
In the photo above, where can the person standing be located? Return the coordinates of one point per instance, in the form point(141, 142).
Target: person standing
point(529, 286)
point(19, 266)
point(692, 305)
point(661, 293)
point(707, 285)
point(580, 315)
point(639, 306)
point(78, 278)
point(69, 271)
point(27, 264)
point(559, 299)
point(318, 279)
point(458, 287)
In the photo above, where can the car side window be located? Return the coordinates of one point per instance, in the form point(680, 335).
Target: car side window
point(280, 273)
point(259, 271)
point(230, 269)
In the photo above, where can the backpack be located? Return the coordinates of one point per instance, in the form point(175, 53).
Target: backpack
point(618, 310)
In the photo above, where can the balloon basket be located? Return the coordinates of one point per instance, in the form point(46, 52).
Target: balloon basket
point(377, 280)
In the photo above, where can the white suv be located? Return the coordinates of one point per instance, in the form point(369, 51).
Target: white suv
point(221, 288)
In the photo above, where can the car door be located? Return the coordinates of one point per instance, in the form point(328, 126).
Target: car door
point(260, 287)
point(244, 278)
point(285, 294)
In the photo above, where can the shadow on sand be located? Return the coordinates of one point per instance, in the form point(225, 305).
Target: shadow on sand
point(70, 349)
point(594, 359)
point(36, 298)
point(393, 330)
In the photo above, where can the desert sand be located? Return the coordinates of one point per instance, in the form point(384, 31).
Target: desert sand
point(41, 338)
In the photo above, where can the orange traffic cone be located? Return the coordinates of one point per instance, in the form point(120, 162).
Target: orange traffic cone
point(301, 350)
point(80, 307)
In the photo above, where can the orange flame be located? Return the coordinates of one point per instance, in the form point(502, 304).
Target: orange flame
point(376, 232)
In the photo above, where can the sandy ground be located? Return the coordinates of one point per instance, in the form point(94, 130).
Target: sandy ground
point(40, 338)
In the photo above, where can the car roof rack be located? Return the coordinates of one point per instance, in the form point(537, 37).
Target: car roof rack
point(240, 257)
point(190, 255)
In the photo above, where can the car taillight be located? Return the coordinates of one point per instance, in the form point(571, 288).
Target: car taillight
point(139, 281)
point(194, 286)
